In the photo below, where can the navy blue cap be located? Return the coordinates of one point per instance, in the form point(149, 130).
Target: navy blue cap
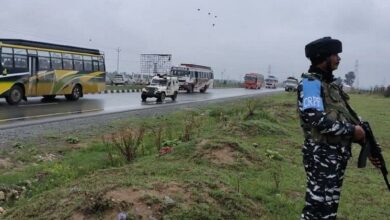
point(323, 47)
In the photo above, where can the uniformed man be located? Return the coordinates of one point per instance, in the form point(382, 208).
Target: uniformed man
point(328, 129)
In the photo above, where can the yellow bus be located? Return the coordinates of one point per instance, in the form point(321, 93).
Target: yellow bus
point(30, 68)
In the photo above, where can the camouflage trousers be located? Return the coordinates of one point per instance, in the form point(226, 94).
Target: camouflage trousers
point(325, 166)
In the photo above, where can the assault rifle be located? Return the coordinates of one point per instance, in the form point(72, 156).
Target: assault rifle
point(372, 150)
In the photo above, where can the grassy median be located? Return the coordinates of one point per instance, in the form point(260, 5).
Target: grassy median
point(232, 161)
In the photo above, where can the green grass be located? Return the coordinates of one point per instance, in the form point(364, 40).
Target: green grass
point(121, 87)
point(234, 166)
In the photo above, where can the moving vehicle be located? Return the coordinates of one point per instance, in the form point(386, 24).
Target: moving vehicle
point(193, 77)
point(291, 84)
point(121, 79)
point(31, 68)
point(160, 88)
point(271, 82)
point(140, 79)
point(253, 80)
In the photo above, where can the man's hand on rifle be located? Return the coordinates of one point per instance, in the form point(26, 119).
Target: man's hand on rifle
point(359, 134)
point(375, 161)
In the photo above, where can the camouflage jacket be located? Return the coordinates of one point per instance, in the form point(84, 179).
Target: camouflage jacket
point(322, 107)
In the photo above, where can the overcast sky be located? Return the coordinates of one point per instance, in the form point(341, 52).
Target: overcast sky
point(248, 36)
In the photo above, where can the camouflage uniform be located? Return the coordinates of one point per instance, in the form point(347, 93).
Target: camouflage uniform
point(328, 131)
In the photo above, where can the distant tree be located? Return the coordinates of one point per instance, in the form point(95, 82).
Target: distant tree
point(387, 92)
point(338, 81)
point(349, 78)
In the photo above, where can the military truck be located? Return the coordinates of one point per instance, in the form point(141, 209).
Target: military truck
point(161, 87)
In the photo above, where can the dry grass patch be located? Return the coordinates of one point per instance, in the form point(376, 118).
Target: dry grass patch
point(6, 163)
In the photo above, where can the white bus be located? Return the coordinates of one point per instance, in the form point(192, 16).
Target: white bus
point(193, 77)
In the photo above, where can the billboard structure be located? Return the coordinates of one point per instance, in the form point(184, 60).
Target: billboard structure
point(153, 64)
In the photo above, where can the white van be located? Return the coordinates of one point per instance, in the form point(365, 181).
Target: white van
point(271, 82)
point(121, 79)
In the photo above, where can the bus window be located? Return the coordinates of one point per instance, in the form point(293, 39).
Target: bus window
point(6, 57)
point(56, 55)
point(43, 53)
point(20, 51)
point(68, 64)
point(78, 65)
point(78, 62)
point(44, 63)
point(95, 65)
point(67, 56)
point(7, 61)
point(6, 50)
point(87, 58)
point(67, 61)
point(87, 63)
point(77, 57)
point(32, 52)
point(56, 63)
point(20, 61)
point(101, 66)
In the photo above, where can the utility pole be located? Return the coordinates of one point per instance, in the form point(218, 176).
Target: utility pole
point(269, 69)
point(357, 73)
point(222, 74)
point(117, 61)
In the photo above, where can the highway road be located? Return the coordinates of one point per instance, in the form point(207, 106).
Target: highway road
point(93, 104)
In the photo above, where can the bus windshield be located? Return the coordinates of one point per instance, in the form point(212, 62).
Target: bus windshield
point(180, 73)
point(270, 80)
point(250, 78)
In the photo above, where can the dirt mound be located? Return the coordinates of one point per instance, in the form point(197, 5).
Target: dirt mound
point(222, 153)
point(225, 155)
point(139, 203)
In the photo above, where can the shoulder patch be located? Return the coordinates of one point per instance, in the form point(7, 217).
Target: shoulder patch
point(312, 98)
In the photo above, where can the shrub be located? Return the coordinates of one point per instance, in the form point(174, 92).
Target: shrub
point(72, 140)
point(127, 143)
